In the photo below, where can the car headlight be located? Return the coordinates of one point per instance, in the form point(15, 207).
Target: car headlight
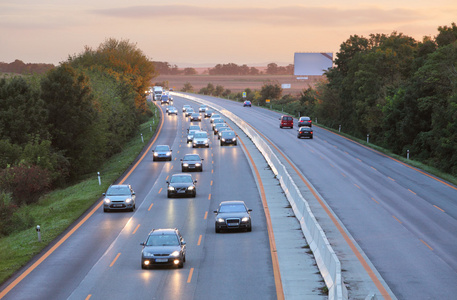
point(220, 220)
point(107, 201)
point(198, 165)
point(223, 140)
point(148, 254)
point(234, 139)
point(245, 219)
point(168, 153)
point(175, 254)
point(156, 154)
point(171, 188)
point(185, 165)
point(128, 200)
point(190, 188)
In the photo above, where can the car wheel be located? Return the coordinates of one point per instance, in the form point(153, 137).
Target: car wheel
point(201, 169)
point(183, 170)
point(143, 266)
point(249, 229)
point(105, 210)
point(168, 195)
point(217, 230)
point(181, 265)
point(184, 258)
point(153, 159)
point(236, 143)
point(280, 126)
point(222, 144)
point(311, 137)
point(170, 158)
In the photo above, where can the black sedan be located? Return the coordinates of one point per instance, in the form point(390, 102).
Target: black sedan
point(191, 162)
point(228, 137)
point(161, 152)
point(181, 185)
point(305, 132)
point(163, 247)
point(195, 117)
point(233, 215)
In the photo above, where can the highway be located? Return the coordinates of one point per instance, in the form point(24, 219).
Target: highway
point(101, 259)
point(404, 219)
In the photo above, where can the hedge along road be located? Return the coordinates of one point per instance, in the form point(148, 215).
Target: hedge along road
point(64, 269)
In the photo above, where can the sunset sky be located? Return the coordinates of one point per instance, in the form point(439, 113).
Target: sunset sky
point(207, 32)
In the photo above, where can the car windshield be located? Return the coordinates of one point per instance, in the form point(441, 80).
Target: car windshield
point(215, 116)
point(163, 240)
point(194, 127)
point(164, 97)
point(200, 135)
point(118, 190)
point(218, 121)
point(191, 132)
point(162, 148)
point(195, 115)
point(227, 134)
point(191, 157)
point(181, 179)
point(232, 208)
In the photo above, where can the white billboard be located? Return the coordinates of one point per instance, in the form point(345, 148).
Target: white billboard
point(312, 63)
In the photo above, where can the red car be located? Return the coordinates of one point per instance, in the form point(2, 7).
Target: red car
point(305, 121)
point(286, 121)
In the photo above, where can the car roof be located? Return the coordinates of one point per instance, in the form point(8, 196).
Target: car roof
point(163, 231)
point(189, 154)
point(231, 202)
point(181, 174)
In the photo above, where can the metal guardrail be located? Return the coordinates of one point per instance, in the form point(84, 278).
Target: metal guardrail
point(327, 261)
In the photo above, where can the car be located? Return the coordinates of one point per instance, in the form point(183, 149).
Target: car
point(202, 108)
point(185, 107)
point(214, 116)
point(172, 110)
point(305, 132)
point(190, 135)
point(181, 185)
point(208, 113)
point(232, 215)
point(305, 121)
point(194, 127)
point(163, 247)
point(228, 137)
point(195, 117)
point(286, 121)
point(192, 162)
point(216, 121)
point(165, 99)
point(200, 139)
point(247, 103)
point(218, 126)
point(161, 152)
point(189, 111)
point(119, 197)
point(222, 129)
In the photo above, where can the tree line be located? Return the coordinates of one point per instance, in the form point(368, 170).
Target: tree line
point(59, 126)
point(19, 67)
point(164, 68)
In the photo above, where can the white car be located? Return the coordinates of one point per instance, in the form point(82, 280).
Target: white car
point(200, 139)
point(172, 110)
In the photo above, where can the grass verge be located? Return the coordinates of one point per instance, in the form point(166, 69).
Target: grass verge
point(56, 211)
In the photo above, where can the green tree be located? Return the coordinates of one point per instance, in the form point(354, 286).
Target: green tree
point(71, 117)
point(187, 87)
point(22, 112)
point(190, 71)
point(270, 91)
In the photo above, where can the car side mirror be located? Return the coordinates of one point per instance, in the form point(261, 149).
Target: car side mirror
point(195, 181)
point(142, 244)
point(167, 182)
point(181, 159)
point(133, 193)
point(183, 243)
point(152, 151)
point(250, 209)
point(202, 159)
point(103, 194)
point(215, 211)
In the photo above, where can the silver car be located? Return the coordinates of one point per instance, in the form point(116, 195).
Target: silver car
point(200, 139)
point(119, 197)
point(171, 110)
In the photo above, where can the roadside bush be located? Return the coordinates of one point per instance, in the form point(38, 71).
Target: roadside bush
point(25, 183)
point(7, 209)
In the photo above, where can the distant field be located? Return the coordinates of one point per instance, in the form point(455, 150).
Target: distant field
point(239, 83)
